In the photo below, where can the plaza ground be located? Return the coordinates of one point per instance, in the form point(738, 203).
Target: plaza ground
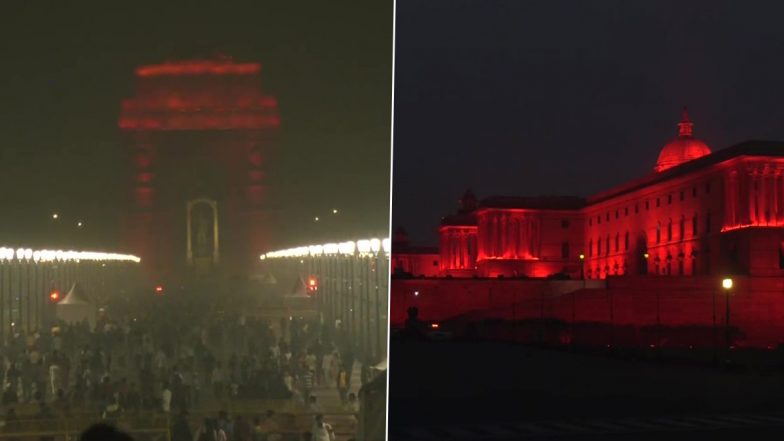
point(458, 384)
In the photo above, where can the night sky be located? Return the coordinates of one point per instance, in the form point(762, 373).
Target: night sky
point(65, 70)
point(569, 97)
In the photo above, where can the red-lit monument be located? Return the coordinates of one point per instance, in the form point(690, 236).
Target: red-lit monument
point(199, 134)
point(651, 252)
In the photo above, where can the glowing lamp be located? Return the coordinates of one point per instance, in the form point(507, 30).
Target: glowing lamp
point(582, 256)
point(434, 325)
point(159, 290)
point(364, 246)
point(646, 255)
point(312, 284)
point(54, 296)
point(726, 283)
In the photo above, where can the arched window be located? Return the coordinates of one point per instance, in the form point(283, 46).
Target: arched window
point(617, 237)
point(669, 230)
point(626, 241)
point(658, 232)
point(607, 246)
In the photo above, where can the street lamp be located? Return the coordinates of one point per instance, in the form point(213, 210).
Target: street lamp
point(334, 211)
point(726, 284)
point(582, 267)
point(55, 216)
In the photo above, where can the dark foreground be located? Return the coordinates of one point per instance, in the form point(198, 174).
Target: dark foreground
point(484, 390)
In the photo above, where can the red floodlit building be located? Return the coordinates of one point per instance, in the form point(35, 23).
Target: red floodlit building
point(413, 261)
point(198, 135)
point(639, 264)
point(697, 213)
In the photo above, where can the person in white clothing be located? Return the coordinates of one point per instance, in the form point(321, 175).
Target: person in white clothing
point(166, 396)
point(321, 431)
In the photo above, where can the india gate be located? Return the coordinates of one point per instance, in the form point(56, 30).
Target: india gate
point(198, 134)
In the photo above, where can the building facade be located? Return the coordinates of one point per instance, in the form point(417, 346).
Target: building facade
point(413, 261)
point(697, 213)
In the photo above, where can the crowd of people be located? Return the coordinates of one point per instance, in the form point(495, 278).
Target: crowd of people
point(175, 356)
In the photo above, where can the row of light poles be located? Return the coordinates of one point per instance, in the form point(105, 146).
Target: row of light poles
point(727, 284)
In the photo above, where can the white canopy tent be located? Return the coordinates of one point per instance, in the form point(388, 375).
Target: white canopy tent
point(75, 308)
point(300, 289)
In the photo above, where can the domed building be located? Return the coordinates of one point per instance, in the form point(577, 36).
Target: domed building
point(696, 215)
point(650, 252)
point(682, 149)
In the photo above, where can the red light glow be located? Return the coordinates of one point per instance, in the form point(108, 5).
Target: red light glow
point(159, 289)
point(434, 325)
point(199, 67)
point(312, 284)
point(54, 296)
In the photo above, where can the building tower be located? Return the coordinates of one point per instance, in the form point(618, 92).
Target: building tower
point(198, 136)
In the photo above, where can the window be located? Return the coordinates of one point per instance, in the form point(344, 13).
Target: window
point(590, 221)
point(694, 192)
point(607, 246)
point(781, 255)
point(658, 203)
point(682, 194)
point(617, 236)
point(598, 219)
point(647, 204)
point(669, 199)
point(565, 250)
point(658, 232)
point(626, 241)
point(682, 228)
point(565, 223)
point(707, 222)
point(617, 214)
point(607, 216)
point(669, 230)
point(694, 223)
point(626, 211)
point(636, 208)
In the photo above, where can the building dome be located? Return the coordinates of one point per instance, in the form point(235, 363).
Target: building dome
point(682, 149)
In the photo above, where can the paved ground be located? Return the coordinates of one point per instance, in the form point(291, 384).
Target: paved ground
point(327, 395)
point(481, 390)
